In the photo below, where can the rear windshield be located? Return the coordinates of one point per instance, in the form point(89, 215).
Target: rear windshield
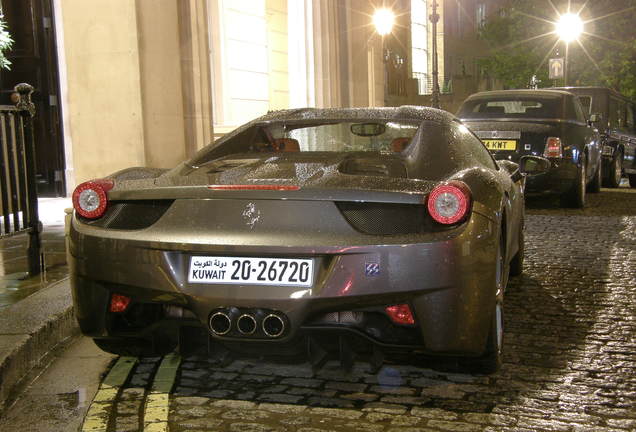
point(324, 136)
point(512, 107)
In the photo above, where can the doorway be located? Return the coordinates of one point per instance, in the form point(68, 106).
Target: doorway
point(34, 60)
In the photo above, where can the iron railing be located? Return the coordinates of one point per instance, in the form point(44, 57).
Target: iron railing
point(18, 193)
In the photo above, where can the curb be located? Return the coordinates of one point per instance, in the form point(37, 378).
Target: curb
point(30, 329)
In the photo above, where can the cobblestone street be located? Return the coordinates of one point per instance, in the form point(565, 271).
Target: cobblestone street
point(570, 359)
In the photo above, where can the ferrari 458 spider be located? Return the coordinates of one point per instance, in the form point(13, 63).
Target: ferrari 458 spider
point(319, 233)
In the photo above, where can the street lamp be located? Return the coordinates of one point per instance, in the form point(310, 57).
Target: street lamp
point(568, 28)
point(383, 20)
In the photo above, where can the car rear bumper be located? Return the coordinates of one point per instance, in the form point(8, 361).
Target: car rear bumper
point(446, 278)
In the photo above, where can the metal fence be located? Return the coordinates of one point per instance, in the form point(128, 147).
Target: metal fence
point(18, 193)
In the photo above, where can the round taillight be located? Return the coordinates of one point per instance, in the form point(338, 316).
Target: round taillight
point(449, 203)
point(89, 198)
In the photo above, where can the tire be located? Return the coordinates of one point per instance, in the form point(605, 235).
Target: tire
point(613, 179)
point(134, 347)
point(575, 197)
point(595, 185)
point(516, 264)
point(632, 180)
point(490, 361)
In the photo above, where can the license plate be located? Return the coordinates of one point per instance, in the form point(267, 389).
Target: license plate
point(492, 144)
point(251, 271)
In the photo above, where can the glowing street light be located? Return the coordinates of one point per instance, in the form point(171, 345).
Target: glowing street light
point(383, 20)
point(569, 27)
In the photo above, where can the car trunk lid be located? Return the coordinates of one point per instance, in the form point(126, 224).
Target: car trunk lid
point(321, 176)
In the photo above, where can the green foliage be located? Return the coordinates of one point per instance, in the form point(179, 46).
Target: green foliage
point(522, 40)
point(5, 44)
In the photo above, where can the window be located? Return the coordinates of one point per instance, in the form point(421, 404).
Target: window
point(347, 135)
point(586, 102)
point(614, 115)
point(481, 15)
point(460, 30)
point(512, 107)
point(419, 45)
point(241, 88)
point(578, 109)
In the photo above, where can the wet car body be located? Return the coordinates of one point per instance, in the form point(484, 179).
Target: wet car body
point(357, 219)
point(509, 117)
point(616, 124)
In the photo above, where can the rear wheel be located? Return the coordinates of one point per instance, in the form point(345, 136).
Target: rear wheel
point(632, 180)
point(613, 178)
point(595, 185)
point(575, 197)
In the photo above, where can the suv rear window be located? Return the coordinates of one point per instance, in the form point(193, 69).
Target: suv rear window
point(586, 103)
point(512, 107)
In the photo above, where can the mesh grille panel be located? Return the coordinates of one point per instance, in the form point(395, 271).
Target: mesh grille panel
point(386, 219)
point(344, 317)
point(130, 215)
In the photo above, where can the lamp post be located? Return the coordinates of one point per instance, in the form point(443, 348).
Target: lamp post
point(434, 17)
point(568, 28)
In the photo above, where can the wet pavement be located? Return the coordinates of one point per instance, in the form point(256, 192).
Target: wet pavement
point(569, 362)
point(15, 282)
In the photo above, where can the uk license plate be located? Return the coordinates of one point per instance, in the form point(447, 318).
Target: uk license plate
point(493, 144)
point(251, 271)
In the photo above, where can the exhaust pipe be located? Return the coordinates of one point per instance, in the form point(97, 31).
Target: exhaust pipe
point(273, 325)
point(246, 324)
point(220, 323)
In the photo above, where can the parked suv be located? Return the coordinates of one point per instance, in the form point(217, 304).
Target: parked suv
point(614, 116)
point(548, 123)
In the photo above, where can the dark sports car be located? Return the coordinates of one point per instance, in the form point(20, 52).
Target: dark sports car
point(317, 232)
point(549, 123)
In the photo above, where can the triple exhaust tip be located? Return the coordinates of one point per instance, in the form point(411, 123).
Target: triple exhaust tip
point(221, 323)
point(246, 324)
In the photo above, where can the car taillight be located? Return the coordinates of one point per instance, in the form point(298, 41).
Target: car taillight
point(400, 314)
point(450, 202)
point(553, 148)
point(119, 303)
point(89, 198)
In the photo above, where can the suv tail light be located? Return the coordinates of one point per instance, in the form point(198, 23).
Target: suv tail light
point(89, 198)
point(450, 202)
point(553, 148)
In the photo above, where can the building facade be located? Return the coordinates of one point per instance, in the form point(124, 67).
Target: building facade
point(150, 82)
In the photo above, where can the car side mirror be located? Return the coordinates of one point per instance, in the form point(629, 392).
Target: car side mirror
point(533, 165)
